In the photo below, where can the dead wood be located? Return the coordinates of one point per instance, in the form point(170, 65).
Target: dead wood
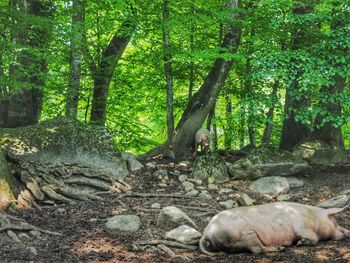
point(145, 195)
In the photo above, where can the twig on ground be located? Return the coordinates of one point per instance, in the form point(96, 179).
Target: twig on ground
point(167, 243)
point(142, 195)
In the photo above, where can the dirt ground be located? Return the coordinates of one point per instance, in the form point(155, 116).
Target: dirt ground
point(85, 238)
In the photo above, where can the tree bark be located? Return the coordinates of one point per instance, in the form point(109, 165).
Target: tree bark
point(228, 129)
point(204, 99)
point(75, 58)
point(104, 71)
point(28, 70)
point(294, 132)
point(168, 71)
point(269, 118)
point(192, 31)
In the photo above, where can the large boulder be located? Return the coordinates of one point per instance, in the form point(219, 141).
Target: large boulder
point(270, 185)
point(329, 157)
point(171, 217)
point(264, 161)
point(210, 169)
point(65, 140)
point(307, 149)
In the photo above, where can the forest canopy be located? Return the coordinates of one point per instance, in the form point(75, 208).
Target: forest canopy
point(114, 63)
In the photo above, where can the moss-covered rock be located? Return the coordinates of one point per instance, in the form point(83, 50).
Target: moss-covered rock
point(265, 161)
point(307, 149)
point(65, 140)
point(210, 169)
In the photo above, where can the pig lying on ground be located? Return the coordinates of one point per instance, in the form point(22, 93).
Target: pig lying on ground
point(270, 227)
point(202, 139)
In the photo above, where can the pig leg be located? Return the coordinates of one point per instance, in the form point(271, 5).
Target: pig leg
point(307, 237)
point(251, 241)
point(341, 233)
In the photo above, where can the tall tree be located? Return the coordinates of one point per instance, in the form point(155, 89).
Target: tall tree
point(103, 72)
point(204, 99)
point(168, 71)
point(78, 10)
point(30, 37)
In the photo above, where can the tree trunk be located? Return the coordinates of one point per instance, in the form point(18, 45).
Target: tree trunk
point(228, 129)
point(242, 128)
point(191, 73)
point(168, 71)
point(75, 58)
point(328, 133)
point(204, 99)
point(269, 118)
point(104, 71)
point(29, 68)
point(294, 132)
point(212, 128)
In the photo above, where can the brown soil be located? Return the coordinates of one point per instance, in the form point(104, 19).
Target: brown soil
point(85, 238)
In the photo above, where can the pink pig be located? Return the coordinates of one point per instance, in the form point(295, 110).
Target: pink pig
point(202, 139)
point(270, 227)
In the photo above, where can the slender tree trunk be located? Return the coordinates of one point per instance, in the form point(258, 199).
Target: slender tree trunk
point(242, 128)
point(168, 71)
point(75, 58)
point(212, 128)
point(204, 99)
point(269, 118)
point(105, 69)
point(191, 73)
point(228, 129)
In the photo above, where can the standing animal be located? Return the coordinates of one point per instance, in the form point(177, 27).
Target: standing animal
point(270, 227)
point(202, 139)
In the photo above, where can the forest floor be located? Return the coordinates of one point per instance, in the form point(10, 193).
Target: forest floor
point(85, 238)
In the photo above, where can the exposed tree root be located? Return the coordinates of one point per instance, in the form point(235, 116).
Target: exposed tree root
point(62, 182)
point(9, 224)
point(166, 243)
point(142, 195)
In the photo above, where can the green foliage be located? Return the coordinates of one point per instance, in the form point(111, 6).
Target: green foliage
point(278, 44)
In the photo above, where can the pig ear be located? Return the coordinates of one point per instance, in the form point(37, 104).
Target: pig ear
point(333, 211)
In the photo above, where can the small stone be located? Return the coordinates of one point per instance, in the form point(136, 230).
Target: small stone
point(156, 206)
point(171, 217)
point(163, 185)
point(184, 234)
point(160, 174)
point(270, 185)
point(183, 177)
point(305, 199)
point(213, 187)
point(194, 192)
point(205, 195)
point(346, 192)
point(196, 181)
point(188, 186)
point(228, 204)
point(92, 220)
point(284, 197)
point(35, 233)
point(130, 223)
point(33, 250)
point(150, 165)
point(23, 235)
point(225, 191)
point(202, 188)
point(245, 200)
point(184, 164)
point(338, 201)
point(294, 182)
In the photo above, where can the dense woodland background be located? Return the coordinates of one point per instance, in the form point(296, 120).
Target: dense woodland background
point(260, 72)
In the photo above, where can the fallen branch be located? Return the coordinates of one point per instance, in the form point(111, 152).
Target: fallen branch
point(142, 195)
point(166, 243)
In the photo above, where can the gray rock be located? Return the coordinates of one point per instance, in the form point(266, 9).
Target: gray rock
point(228, 204)
point(306, 150)
point(150, 165)
point(346, 192)
point(135, 166)
point(329, 157)
point(130, 223)
point(160, 174)
point(156, 205)
point(183, 177)
point(188, 186)
point(294, 182)
point(213, 187)
point(283, 197)
point(163, 185)
point(263, 162)
point(270, 185)
point(194, 192)
point(202, 188)
point(205, 195)
point(210, 169)
point(245, 200)
point(171, 217)
point(338, 201)
point(225, 191)
point(196, 181)
point(184, 164)
point(184, 234)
